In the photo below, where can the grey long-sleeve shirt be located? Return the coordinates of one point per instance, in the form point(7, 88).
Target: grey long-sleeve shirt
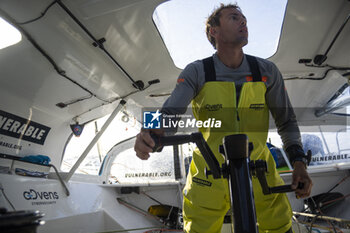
point(192, 79)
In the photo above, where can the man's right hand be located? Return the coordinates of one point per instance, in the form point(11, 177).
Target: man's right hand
point(144, 142)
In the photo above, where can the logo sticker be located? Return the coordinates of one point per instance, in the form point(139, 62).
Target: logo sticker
point(201, 182)
point(180, 80)
point(41, 198)
point(213, 107)
point(18, 127)
point(151, 120)
point(257, 106)
point(77, 129)
point(35, 195)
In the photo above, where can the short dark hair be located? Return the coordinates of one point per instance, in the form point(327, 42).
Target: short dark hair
point(214, 20)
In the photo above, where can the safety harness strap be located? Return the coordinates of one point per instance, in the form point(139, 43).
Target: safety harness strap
point(209, 69)
point(254, 68)
point(210, 74)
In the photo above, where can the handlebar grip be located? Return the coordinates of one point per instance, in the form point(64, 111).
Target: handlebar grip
point(285, 188)
point(300, 185)
point(161, 141)
point(157, 143)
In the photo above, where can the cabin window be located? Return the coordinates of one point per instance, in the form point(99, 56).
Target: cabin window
point(181, 23)
point(122, 127)
point(128, 168)
point(9, 34)
point(169, 165)
point(328, 148)
point(342, 98)
point(329, 144)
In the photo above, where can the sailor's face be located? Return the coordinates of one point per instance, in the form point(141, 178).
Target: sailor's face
point(233, 27)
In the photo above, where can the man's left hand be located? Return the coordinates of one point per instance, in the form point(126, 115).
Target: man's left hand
point(300, 175)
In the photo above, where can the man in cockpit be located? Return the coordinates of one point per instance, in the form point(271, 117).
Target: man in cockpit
point(246, 89)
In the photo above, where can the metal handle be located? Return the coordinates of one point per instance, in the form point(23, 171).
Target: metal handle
point(196, 138)
point(258, 169)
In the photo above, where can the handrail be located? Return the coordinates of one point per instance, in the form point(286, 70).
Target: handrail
point(94, 140)
point(15, 158)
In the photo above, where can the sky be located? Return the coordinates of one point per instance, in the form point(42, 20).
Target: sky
point(9, 35)
point(182, 26)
